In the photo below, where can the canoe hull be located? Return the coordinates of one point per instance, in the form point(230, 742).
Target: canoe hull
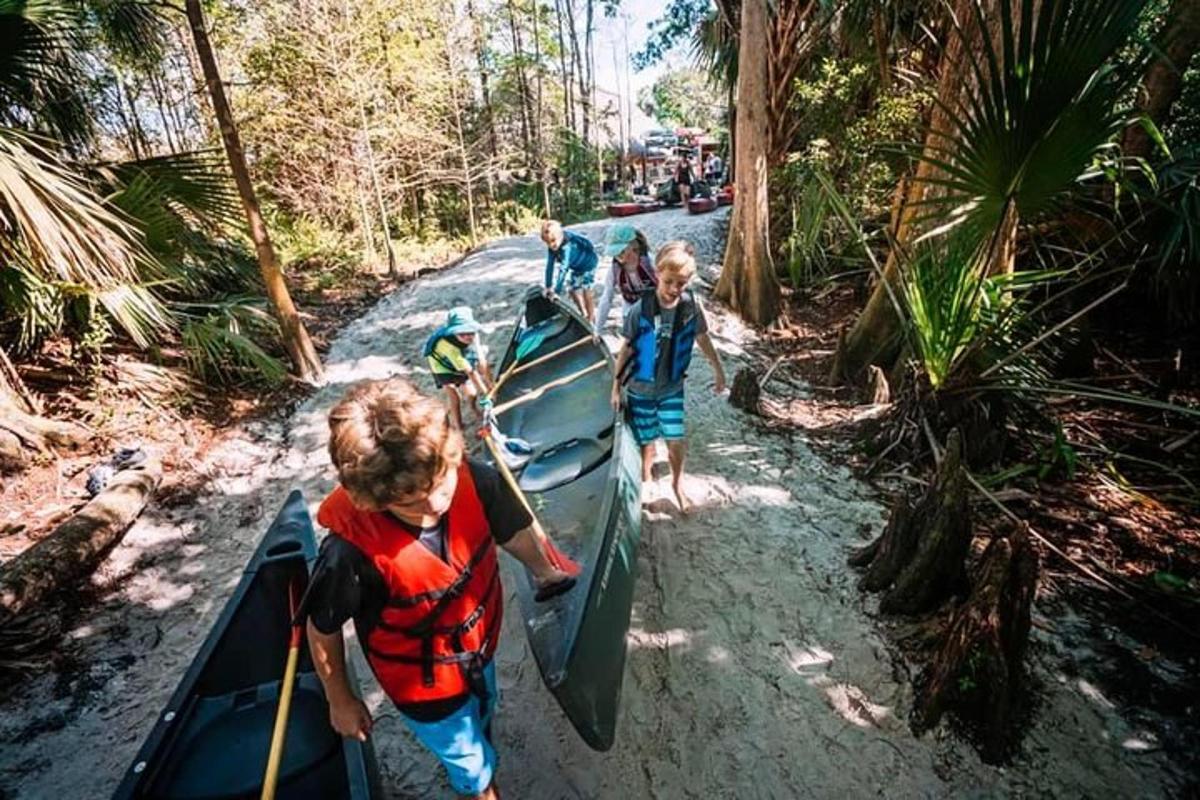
point(631, 209)
point(211, 740)
point(701, 205)
point(578, 639)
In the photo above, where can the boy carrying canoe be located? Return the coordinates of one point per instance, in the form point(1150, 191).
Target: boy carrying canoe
point(575, 259)
point(411, 558)
point(632, 271)
point(660, 331)
point(457, 362)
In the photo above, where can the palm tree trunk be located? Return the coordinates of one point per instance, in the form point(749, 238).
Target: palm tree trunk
point(876, 335)
point(1163, 81)
point(748, 283)
point(295, 337)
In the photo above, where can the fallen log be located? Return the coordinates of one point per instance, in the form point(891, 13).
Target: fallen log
point(75, 548)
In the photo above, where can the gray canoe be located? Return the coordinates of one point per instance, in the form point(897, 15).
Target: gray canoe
point(584, 483)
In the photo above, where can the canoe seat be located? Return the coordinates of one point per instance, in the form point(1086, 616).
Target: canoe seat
point(563, 463)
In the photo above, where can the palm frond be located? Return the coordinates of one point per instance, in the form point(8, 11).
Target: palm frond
point(41, 75)
point(220, 344)
point(715, 50)
point(1043, 105)
point(133, 30)
point(52, 222)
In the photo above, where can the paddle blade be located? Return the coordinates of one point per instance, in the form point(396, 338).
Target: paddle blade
point(530, 341)
point(560, 559)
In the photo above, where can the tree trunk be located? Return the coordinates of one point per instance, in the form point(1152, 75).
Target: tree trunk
point(75, 548)
point(157, 90)
point(527, 121)
point(464, 158)
point(537, 117)
point(919, 560)
point(295, 337)
point(567, 74)
point(748, 283)
point(979, 668)
point(1163, 81)
point(480, 43)
point(881, 32)
point(385, 223)
point(585, 105)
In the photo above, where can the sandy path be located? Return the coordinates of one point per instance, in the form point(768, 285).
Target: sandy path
point(755, 669)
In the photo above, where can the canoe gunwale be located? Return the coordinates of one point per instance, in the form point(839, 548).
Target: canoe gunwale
point(597, 559)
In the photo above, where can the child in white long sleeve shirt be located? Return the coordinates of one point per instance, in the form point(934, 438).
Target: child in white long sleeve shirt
point(631, 273)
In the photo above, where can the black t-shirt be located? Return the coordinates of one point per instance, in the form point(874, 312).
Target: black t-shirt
point(346, 585)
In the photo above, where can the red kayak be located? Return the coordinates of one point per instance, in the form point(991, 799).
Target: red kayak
point(725, 196)
point(629, 209)
point(701, 205)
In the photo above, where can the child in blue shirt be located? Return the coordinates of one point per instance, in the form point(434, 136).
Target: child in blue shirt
point(576, 260)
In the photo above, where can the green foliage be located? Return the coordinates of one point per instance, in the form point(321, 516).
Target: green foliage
point(220, 339)
point(846, 118)
point(683, 98)
point(41, 73)
point(1058, 457)
point(1045, 105)
point(678, 22)
point(1171, 221)
point(574, 196)
point(715, 50)
point(809, 246)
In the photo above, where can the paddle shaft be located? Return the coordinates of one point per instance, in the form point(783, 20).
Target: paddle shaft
point(538, 531)
point(516, 368)
point(279, 734)
point(541, 390)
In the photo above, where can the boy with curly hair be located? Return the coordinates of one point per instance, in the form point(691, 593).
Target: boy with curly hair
point(411, 558)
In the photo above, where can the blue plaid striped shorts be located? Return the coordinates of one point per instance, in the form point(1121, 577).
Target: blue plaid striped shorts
point(656, 417)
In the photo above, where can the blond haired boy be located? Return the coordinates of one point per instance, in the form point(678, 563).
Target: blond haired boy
point(412, 560)
point(659, 333)
point(575, 259)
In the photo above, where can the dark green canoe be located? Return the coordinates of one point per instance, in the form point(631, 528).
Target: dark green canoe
point(584, 482)
point(211, 740)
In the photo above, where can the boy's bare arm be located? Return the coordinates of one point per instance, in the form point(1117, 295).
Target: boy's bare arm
point(527, 548)
point(479, 381)
point(623, 355)
point(347, 714)
point(710, 352)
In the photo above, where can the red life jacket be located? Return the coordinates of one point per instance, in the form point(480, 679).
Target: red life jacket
point(441, 621)
point(645, 273)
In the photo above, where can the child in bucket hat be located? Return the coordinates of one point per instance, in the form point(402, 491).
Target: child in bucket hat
point(458, 361)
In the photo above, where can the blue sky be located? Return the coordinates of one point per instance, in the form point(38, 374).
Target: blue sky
point(610, 33)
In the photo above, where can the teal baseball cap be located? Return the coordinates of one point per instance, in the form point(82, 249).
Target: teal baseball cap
point(619, 237)
point(461, 320)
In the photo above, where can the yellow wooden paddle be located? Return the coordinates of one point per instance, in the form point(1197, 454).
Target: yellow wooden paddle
point(279, 733)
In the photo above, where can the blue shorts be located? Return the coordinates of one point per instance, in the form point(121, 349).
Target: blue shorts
point(460, 741)
point(577, 281)
point(656, 417)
